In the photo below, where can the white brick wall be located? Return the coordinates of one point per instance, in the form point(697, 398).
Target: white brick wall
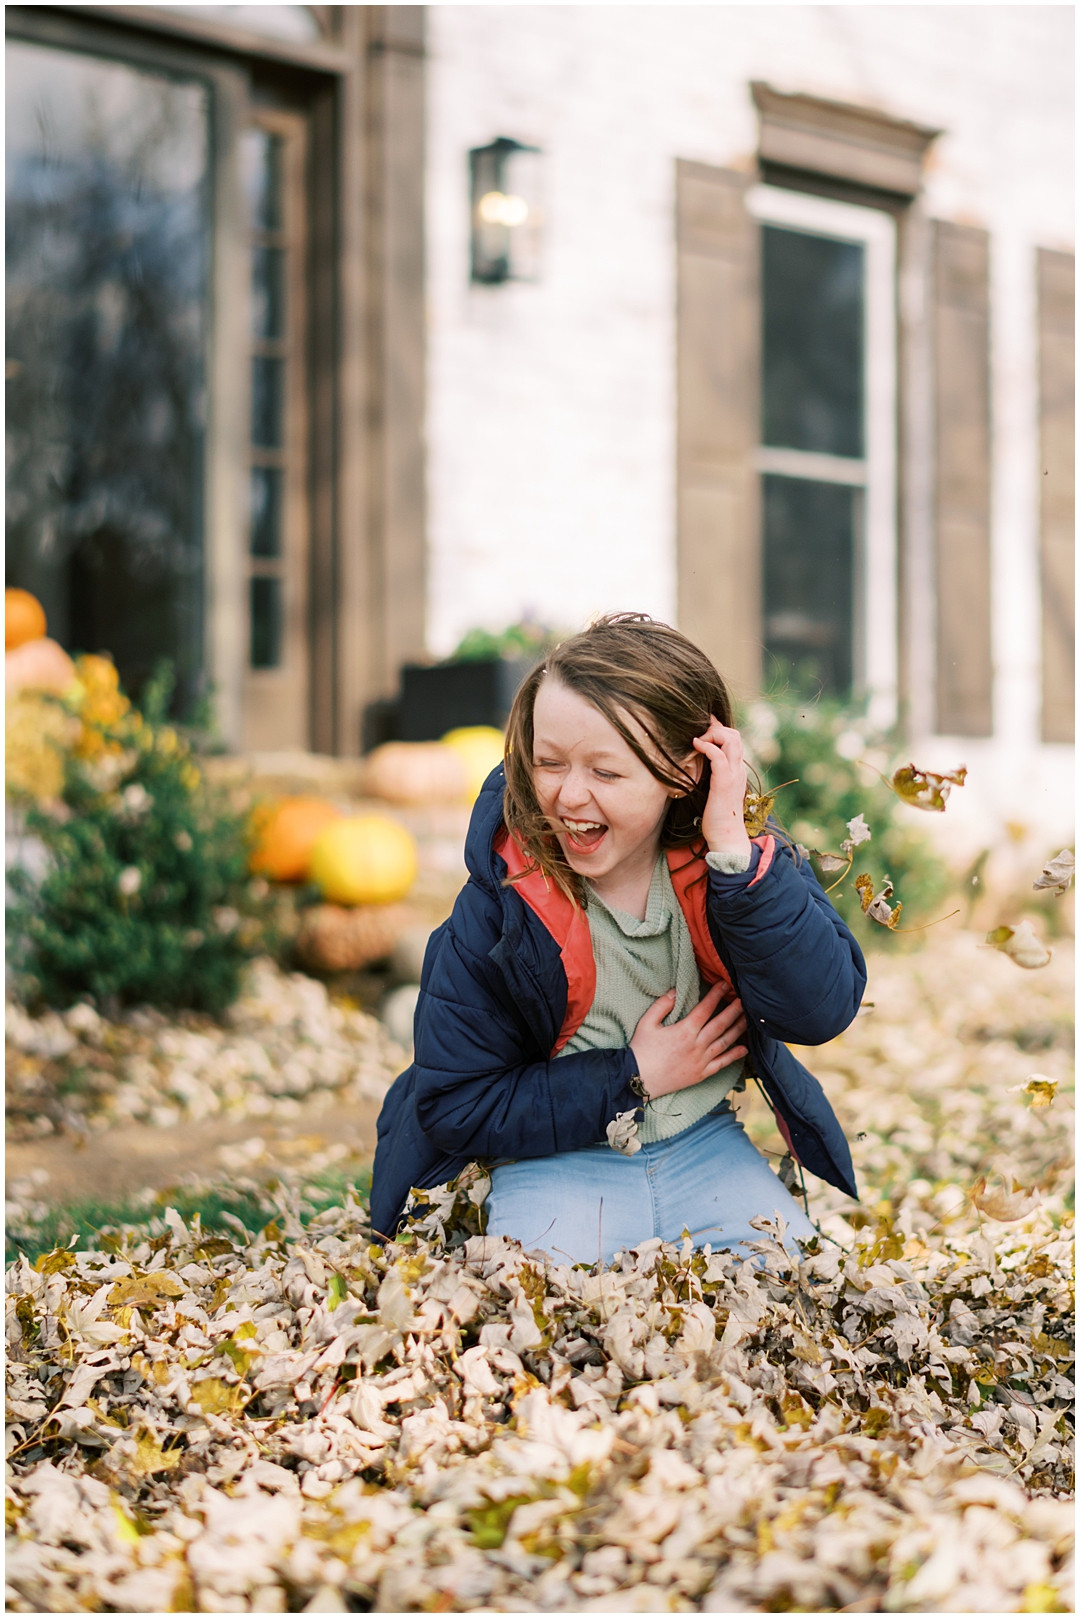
point(551, 406)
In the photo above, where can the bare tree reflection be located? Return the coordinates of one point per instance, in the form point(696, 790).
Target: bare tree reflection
point(107, 253)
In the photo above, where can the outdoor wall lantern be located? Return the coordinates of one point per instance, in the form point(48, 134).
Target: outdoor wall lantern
point(506, 213)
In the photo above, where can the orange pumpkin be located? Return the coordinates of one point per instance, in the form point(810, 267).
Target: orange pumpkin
point(38, 665)
point(285, 836)
point(24, 618)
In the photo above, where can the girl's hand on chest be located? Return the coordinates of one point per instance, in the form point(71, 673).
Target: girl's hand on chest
point(675, 1056)
point(722, 823)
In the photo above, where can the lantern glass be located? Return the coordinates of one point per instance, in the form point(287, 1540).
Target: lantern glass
point(506, 212)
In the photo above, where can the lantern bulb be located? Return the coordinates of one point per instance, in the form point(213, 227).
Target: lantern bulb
point(496, 208)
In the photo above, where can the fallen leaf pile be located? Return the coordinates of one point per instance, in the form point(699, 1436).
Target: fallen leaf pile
point(301, 1418)
point(283, 1042)
point(233, 1428)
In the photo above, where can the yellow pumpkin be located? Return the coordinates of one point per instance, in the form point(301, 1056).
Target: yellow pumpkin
point(416, 772)
point(24, 618)
point(286, 834)
point(38, 665)
point(367, 860)
point(480, 748)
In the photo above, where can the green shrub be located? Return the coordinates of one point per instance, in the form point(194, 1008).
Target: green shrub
point(144, 894)
point(816, 746)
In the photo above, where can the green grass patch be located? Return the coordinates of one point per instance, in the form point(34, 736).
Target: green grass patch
point(86, 1219)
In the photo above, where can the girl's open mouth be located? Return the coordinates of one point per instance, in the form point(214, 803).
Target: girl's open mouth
point(584, 836)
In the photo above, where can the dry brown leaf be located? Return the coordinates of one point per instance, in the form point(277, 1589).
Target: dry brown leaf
point(876, 905)
point(1004, 1202)
point(1041, 1090)
point(1021, 944)
point(1057, 874)
point(757, 807)
point(141, 1290)
point(214, 1396)
point(925, 789)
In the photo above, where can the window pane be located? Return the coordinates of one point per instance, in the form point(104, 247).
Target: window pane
point(261, 155)
point(813, 342)
point(268, 292)
point(266, 490)
point(810, 550)
point(265, 623)
point(267, 401)
point(107, 251)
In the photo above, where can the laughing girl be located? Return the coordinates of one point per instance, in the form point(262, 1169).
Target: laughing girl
point(622, 957)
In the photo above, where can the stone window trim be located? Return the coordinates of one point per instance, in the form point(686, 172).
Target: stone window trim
point(859, 146)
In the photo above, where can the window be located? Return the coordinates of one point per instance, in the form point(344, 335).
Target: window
point(827, 455)
point(107, 281)
point(273, 159)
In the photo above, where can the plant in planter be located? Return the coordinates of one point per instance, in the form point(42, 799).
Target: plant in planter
point(475, 686)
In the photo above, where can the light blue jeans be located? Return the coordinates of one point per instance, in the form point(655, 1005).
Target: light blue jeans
point(709, 1179)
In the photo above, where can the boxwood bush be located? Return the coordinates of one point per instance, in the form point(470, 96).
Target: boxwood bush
point(142, 894)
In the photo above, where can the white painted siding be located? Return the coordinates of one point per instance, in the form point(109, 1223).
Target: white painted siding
point(552, 405)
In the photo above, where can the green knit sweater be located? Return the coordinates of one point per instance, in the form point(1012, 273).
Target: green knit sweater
point(637, 962)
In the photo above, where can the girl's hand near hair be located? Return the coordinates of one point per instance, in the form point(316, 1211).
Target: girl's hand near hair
point(722, 823)
point(706, 1040)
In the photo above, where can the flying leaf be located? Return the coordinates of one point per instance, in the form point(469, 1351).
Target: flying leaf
point(1003, 1202)
point(924, 789)
point(1057, 873)
point(1041, 1090)
point(876, 905)
point(757, 807)
point(830, 862)
point(622, 1134)
point(859, 832)
point(1021, 944)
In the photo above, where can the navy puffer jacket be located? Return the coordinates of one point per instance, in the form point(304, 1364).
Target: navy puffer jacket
point(493, 1000)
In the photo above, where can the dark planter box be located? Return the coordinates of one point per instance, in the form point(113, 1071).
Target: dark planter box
point(439, 697)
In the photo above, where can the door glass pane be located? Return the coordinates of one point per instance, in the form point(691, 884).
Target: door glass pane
point(267, 401)
point(265, 623)
point(268, 292)
point(266, 501)
point(813, 342)
point(810, 550)
point(261, 155)
point(107, 252)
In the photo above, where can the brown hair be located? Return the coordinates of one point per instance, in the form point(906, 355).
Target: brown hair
point(624, 664)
